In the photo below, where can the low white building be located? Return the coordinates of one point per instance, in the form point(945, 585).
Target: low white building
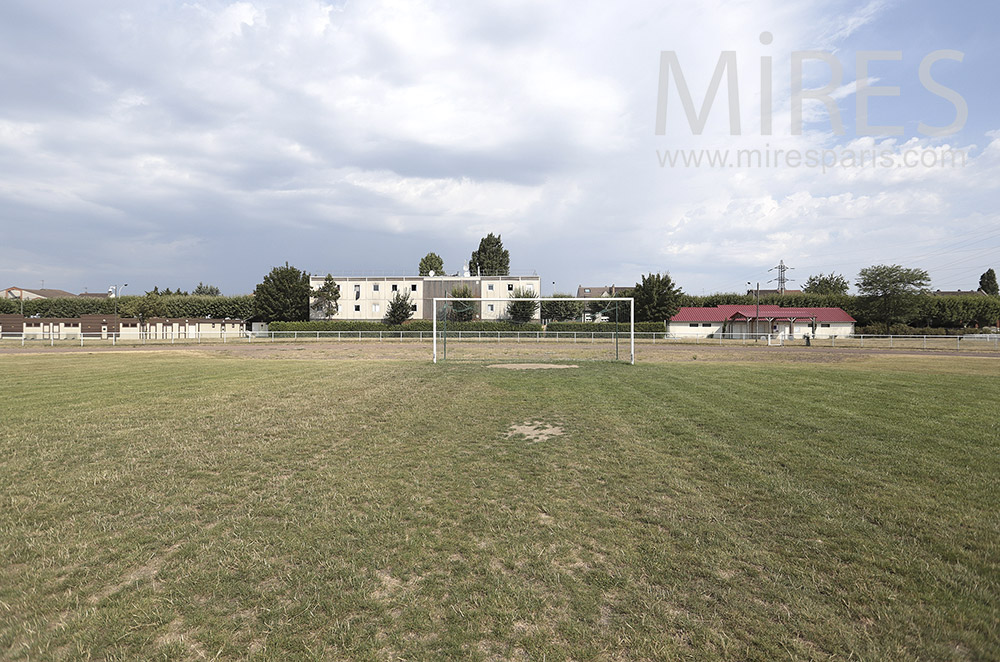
point(752, 320)
point(367, 298)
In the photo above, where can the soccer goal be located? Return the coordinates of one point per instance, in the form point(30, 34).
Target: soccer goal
point(601, 343)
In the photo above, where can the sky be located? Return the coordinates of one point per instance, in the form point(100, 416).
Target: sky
point(171, 143)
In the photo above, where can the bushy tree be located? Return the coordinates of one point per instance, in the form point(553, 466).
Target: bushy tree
point(400, 309)
point(988, 283)
point(823, 284)
point(657, 298)
point(491, 259)
point(891, 292)
point(522, 312)
point(431, 262)
point(562, 311)
point(325, 297)
point(462, 311)
point(283, 296)
point(144, 307)
point(207, 290)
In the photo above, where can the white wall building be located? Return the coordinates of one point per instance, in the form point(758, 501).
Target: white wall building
point(751, 319)
point(367, 298)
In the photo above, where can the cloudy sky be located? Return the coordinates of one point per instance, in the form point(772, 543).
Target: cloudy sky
point(167, 143)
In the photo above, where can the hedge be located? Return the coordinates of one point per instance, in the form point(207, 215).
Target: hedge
point(237, 307)
point(412, 325)
point(604, 327)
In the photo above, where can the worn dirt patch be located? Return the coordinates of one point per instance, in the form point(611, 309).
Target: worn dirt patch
point(531, 366)
point(535, 431)
point(177, 634)
point(144, 572)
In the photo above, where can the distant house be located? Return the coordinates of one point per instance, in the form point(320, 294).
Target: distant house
point(601, 292)
point(751, 319)
point(29, 294)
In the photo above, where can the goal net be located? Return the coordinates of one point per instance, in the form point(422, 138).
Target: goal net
point(484, 329)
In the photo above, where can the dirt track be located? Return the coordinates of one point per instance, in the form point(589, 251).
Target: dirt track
point(414, 350)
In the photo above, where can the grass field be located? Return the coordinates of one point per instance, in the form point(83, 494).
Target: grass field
point(328, 503)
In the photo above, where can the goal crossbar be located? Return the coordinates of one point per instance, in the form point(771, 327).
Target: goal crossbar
point(539, 300)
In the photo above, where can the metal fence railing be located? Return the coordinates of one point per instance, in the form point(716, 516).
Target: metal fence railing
point(964, 342)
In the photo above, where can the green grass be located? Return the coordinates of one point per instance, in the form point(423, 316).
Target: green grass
point(182, 505)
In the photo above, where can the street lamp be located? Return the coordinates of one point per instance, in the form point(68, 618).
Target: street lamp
point(756, 318)
point(114, 290)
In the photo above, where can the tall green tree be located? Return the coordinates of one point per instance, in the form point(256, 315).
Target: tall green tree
point(207, 290)
point(145, 307)
point(522, 312)
point(431, 262)
point(562, 311)
point(823, 284)
point(400, 309)
point(462, 311)
point(283, 296)
point(490, 259)
point(988, 283)
point(657, 298)
point(325, 298)
point(891, 292)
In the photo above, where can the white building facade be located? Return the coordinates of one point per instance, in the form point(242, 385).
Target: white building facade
point(367, 298)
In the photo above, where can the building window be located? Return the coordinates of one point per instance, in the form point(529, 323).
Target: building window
point(587, 290)
point(510, 287)
point(706, 324)
point(413, 287)
point(374, 287)
point(413, 307)
point(490, 307)
point(693, 324)
point(357, 292)
point(395, 288)
point(357, 308)
point(490, 287)
point(825, 325)
point(374, 307)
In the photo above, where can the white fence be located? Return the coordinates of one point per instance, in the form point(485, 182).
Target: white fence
point(966, 342)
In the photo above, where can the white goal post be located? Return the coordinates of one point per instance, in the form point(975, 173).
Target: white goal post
point(539, 300)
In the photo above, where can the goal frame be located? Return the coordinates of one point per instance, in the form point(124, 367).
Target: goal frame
point(539, 300)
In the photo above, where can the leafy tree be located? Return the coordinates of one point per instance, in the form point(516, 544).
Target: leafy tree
point(562, 311)
point(167, 292)
point(657, 298)
point(325, 297)
point(431, 262)
point(822, 284)
point(988, 283)
point(400, 309)
point(207, 290)
point(462, 311)
point(522, 312)
point(891, 292)
point(491, 259)
point(144, 307)
point(283, 296)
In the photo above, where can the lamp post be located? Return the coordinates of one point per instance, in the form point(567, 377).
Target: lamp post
point(115, 290)
point(756, 317)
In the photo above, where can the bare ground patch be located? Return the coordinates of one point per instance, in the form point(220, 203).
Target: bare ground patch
point(531, 366)
point(177, 634)
point(147, 571)
point(534, 431)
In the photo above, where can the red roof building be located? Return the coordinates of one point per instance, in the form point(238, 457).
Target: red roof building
point(751, 319)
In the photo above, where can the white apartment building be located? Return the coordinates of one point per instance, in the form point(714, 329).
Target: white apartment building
point(367, 298)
